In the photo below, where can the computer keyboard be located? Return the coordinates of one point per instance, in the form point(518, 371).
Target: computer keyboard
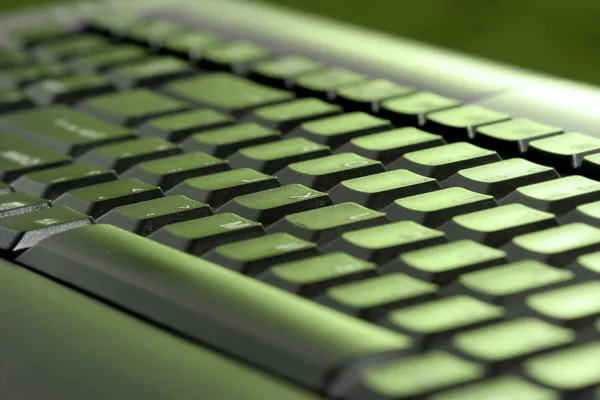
point(430, 248)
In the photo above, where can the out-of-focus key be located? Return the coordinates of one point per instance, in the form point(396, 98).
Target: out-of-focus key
point(11, 101)
point(234, 56)
point(69, 89)
point(324, 83)
point(367, 96)
point(280, 72)
point(191, 44)
point(73, 46)
point(412, 110)
point(150, 72)
point(11, 79)
point(112, 57)
point(507, 387)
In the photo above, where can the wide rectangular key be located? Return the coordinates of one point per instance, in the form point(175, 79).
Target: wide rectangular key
point(99, 199)
point(281, 71)
point(233, 56)
point(111, 57)
point(180, 292)
point(150, 72)
point(412, 110)
point(148, 216)
point(324, 83)
point(367, 95)
point(189, 44)
point(226, 93)
point(177, 127)
point(15, 78)
point(73, 46)
point(63, 129)
point(507, 386)
point(68, 89)
point(20, 203)
point(563, 152)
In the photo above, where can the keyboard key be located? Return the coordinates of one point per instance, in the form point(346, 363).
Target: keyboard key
point(434, 208)
point(512, 138)
point(326, 172)
point(124, 155)
point(378, 190)
point(190, 44)
point(287, 116)
point(506, 387)
point(132, 107)
point(510, 282)
point(5, 188)
point(99, 199)
point(444, 263)
point(150, 72)
point(253, 256)
point(234, 56)
point(324, 83)
point(64, 130)
point(73, 46)
point(557, 196)
point(586, 267)
point(337, 130)
point(201, 235)
point(168, 172)
point(183, 286)
point(460, 123)
point(556, 246)
point(312, 276)
point(68, 89)
point(411, 110)
point(226, 93)
point(222, 142)
point(444, 161)
point(14, 101)
point(20, 232)
point(382, 243)
point(148, 216)
point(217, 189)
point(111, 23)
point(272, 157)
point(269, 206)
point(326, 224)
point(501, 178)
point(38, 34)
point(590, 166)
point(11, 79)
point(112, 57)
point(390, 145)
point(11, 59)
point(367, 96)
point(497, 226)
point(372, 298)
point(152, 33)
point(19, 157)
point(177, 127)
point(505, 344)
point(20, 203)
point(564, 152)
point(280, 72)
point(51, 183)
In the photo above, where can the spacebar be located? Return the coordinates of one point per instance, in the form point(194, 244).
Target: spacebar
point(269, 328)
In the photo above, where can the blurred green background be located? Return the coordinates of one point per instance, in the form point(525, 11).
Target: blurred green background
point(560, 38)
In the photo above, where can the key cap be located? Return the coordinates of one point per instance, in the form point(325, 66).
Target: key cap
point(253, 256)
point(132, 107)
point(434, 208)
point(443, 263)
point(20, 232)
point(512, 138)
point(217, 189)
point(226, 93)
point(497, 226)
point(505, 387)
point(501, 178)
point(34, 35)
point(507, 284)
point(150, 72)
point(99, 199)
point(326, 172)
point(75, 45)
point(325, 224)
point(378, 190)
point(168, 172)
point(5, 188)
point(324, 83)
point(233, 56)
point(311, 276)
point(149, 216)
point(390, 145)
point(556, 246)
point(590, 166)
point(19, 157)
point(574, 305)
point(372, 298)
point(11, 59)
point(20, 203)
point(112, 57)
point(411, 110)
point(287, 116)
point(411, 378)
point(586, 267)
point(272, 157)
point(337, 130)
point(444, 161)
point(124, 155)
point(11, 101)
point(68, 89)
point(564, 152)
point(557, 196)
point(460, 123)
point(367, 95)
point(152, 33)
point(434, 321)
point(64, 130)
point(51, 183)
point(223, 142)
point(15, 78)
point(282, 71)
point(190, 44)
point(201, 235)
point(269, 206)
point(177, 127)
point(111, 23)
point(382, 243)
